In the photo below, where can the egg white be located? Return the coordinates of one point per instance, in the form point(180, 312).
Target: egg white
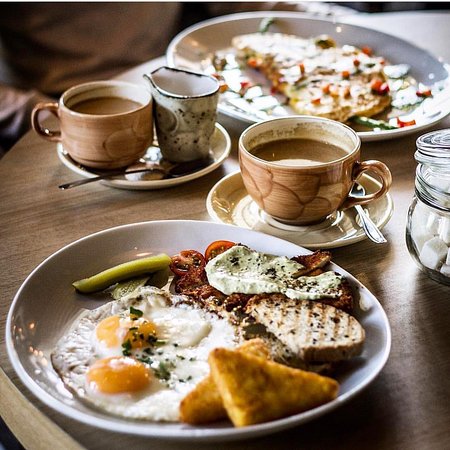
point(188, 335)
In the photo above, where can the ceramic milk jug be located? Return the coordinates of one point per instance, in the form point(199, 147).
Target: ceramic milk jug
point(185, 108)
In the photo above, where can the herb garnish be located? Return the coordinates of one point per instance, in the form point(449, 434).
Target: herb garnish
point(145, 360)
point(265, 24)
point(126, 348)
point(162, 372)
point(136, 312)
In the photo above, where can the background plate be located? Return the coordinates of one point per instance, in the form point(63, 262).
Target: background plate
point(194, 48)
point(46, 305)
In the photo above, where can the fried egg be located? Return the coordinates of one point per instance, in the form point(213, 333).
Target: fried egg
point(137, 357)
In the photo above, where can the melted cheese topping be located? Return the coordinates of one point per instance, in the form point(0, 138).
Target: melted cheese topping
point(245, 271)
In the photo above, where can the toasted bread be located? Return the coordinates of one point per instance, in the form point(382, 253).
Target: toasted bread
point(256, 390)
point(311, 330)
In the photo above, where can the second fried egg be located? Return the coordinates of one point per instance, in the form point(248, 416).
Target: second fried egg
point(138, 357)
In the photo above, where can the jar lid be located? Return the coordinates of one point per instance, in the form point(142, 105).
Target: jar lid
point(434, 148)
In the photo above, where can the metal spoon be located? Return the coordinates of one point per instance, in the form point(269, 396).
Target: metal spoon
point(177, 170)
point(371, 230)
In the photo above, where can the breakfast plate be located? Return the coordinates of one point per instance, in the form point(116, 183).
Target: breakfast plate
point(228, 202)
point(46, 305)
point(220, 149)
point(196, 47)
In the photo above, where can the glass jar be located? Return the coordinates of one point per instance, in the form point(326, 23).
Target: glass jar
point(428, 226)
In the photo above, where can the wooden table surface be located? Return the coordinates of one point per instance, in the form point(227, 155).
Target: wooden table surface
point(406, 407)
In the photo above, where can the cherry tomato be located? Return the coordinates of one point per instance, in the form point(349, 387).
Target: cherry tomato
point(216, 248)
point(245, 84)
point(253, 62)
point(424, 93)
point(326, 88)
point(367, 50)
point(405, 123)
point(223, 87)
point(185, 260)
point(379, 86)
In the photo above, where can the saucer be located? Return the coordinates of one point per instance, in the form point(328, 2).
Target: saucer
point(228, 202)
point(220, 149)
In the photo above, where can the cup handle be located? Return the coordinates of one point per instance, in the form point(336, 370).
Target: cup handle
point(50, 135)
point(378, 168)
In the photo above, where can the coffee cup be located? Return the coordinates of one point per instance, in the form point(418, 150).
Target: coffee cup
point(185, 109)
point(301, 169)
point(103, 124)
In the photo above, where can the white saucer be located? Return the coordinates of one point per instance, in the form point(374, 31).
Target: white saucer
point(220, 149)
point(228, 202)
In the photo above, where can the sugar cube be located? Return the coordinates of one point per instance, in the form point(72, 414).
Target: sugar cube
point(433, 224)
point(447, 261)
point(420, 236)
point(420, 213)
point(420, 232)
point(444, 230)
point(445, 270)
point(434, 251)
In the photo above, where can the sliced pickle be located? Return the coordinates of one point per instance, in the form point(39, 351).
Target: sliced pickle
point(124, 271)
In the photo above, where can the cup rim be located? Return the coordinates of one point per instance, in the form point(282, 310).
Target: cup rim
point(100, 83)
point(305, 118)
point(210, 93)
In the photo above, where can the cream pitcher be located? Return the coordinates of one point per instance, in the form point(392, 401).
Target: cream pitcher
point(185, 109)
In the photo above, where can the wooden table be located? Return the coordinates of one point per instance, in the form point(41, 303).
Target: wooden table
point(406, 407)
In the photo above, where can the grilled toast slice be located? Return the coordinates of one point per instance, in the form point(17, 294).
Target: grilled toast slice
point(311, 330)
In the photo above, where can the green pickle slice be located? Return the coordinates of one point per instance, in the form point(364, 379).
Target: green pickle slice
point(124, 271)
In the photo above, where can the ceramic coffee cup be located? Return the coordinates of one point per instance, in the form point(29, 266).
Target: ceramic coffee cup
point(185, 109)
point(103, 124)
point(300, 169)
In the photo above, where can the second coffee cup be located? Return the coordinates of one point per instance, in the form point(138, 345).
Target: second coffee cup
point(300, 169)
point(103, 124)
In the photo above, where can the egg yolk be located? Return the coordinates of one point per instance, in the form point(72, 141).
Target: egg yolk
point(118, 374)
point(141, 335)
point(106, 331)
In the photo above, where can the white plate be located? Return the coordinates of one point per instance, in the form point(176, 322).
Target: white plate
point(46, 305)
point(194, 47)
point(220, 149)
point(228, 202)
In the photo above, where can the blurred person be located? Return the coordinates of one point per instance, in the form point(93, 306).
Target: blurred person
point(47, 47)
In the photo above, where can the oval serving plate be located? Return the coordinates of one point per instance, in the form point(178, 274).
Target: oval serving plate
point(32, 332)
point(195, 47)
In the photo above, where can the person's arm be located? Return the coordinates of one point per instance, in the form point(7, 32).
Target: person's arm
point(15, 111)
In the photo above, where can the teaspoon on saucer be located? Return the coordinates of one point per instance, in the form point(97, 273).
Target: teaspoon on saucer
point(369, 227)
point(176, 170)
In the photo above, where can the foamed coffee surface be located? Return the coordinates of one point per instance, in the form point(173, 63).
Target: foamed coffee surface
point(105, 105)
point(298, 152)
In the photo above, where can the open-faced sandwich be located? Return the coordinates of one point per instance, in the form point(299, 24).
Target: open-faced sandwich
point(317, 76)
point(268, 74)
